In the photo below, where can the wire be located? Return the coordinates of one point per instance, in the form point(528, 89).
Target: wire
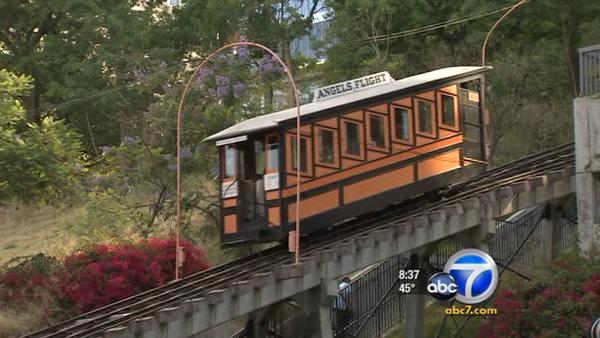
point(409, 32)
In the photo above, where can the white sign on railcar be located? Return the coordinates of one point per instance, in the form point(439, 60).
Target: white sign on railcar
point(271, 181)
point(232, 140)
point(350, 86)
point(229, 189)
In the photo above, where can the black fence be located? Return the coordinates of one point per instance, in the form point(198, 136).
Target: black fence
point(589, 70)
point(372, 303)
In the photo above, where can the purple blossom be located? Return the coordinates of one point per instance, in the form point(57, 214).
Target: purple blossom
point(214, 171)
point(185, 152)
point(239, 89)
point(203, 74)
point(223, 84)
point(242, 52)
point(269, 65)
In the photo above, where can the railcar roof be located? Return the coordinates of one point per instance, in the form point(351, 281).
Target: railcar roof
point(273, 120)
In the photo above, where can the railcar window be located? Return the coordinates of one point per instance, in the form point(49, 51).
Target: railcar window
point(230, 161)
point(303, 158)
point(377, 131)
point(326, 147)
point(448, 112)
point(273, 152)
point(425, 117)
point(352, 138)
point(402, 123)
point(259, 153)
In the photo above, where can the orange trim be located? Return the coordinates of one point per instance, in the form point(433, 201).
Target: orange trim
point(368, 166)
point(230, 202)
point(405, 102)
point(230, 225)
point(453, 89)
point(358, 115)
point(274, 216)
point(373, 186)
point(380, 108)
point(427, 96)
point(331, 123)
point(273, 194)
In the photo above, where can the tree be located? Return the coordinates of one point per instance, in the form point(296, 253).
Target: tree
point(37, 162)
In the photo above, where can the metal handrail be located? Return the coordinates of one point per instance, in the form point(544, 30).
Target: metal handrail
point(589, 70)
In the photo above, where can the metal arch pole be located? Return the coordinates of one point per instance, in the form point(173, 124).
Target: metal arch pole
point(486, 146)
point(178, 148)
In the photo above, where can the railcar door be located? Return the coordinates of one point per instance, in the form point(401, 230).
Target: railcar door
point(471, 124)
point(252, 193)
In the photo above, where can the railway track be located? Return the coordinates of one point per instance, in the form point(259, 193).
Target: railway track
point(93, 323)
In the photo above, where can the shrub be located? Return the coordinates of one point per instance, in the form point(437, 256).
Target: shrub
point(94, 277)
point(106, 273)
point(560, 304)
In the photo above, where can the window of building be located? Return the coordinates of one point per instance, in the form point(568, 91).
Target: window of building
point(303, 154)
point(401, 124)
point(326, 146)
point(272, 153)
point(425, 117)
point(448, 110)
point(352, 131)
point(259, 156)
point(376, 131)
point(230, 167)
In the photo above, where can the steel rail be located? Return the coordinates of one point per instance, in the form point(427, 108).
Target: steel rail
point(191, 287)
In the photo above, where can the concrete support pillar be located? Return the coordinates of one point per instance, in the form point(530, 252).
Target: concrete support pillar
point(256, 327)
point(415, 301)
point(316, 305)
point(551, 223)
point(587, 158)
point(476, 237)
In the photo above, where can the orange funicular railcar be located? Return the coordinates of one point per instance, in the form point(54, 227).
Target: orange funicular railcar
point(365, 144)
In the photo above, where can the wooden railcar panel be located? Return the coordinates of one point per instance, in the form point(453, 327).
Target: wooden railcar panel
point(380, 108)
point(427, 95)
point(405, 102)
point(315, 205)
point(378, 184)
point(450, 89)
point(357, 115)
point(230, 226)
point(439, 164)
point(331, 123)
point(369, 166)
point(274, 215)
point(349, 163)
point(229, 202)
point(272, 195)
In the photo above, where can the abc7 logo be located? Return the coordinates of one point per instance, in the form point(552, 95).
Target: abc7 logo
point(470, 276)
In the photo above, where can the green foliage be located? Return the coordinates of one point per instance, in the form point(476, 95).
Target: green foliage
point(560, 303)
point(37, 162)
